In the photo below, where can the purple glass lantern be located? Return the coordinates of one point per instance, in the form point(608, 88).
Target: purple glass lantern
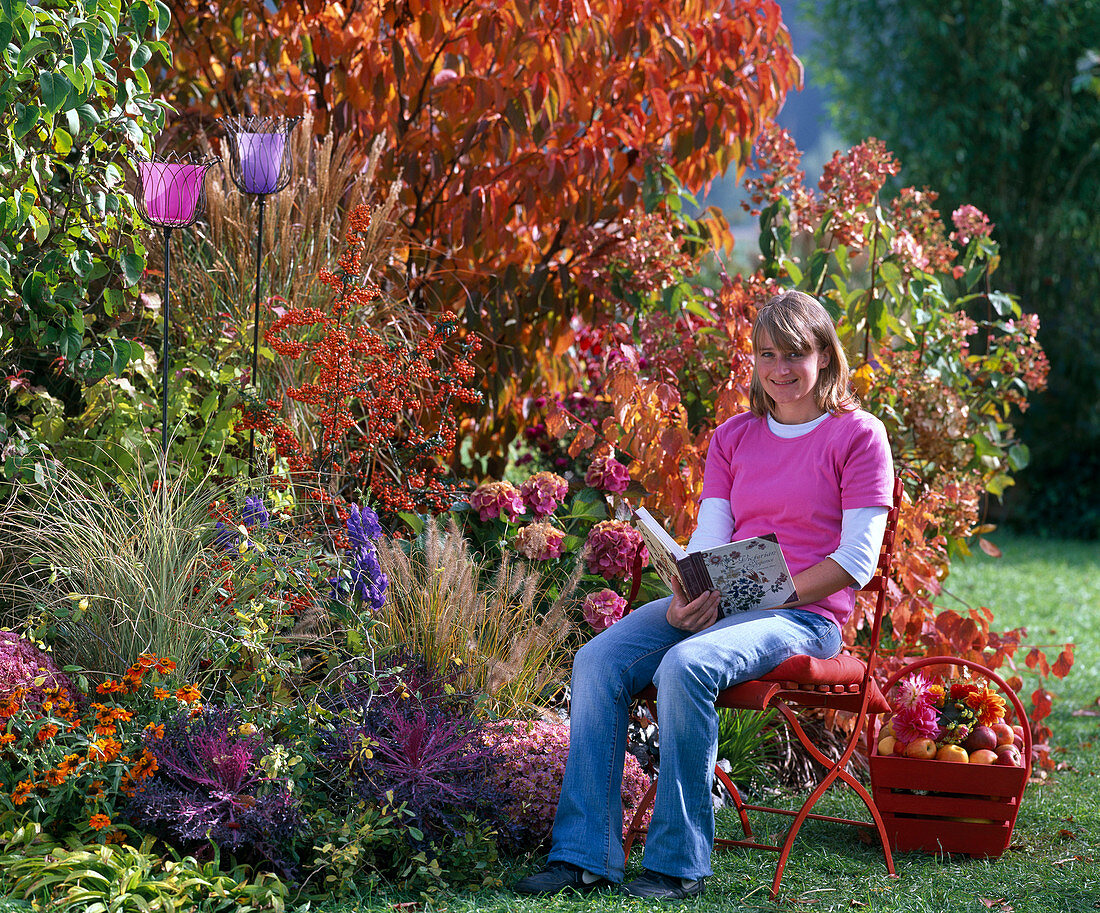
point(259, 163)
point(172, 195)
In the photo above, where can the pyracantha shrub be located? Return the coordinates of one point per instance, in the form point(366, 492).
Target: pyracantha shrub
point(527, 765)
point(209, 785)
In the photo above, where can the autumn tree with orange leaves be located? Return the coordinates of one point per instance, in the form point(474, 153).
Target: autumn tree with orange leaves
point(535, 140)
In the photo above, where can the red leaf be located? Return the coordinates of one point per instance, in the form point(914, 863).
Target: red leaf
point(989, 548)
point(1063, 663)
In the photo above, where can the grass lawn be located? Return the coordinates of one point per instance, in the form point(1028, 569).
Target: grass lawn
point(1053, 865)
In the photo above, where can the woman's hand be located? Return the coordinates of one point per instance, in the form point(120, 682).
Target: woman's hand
point(692, 616)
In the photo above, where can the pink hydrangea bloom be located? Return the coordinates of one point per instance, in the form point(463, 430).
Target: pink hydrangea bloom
point(527, 765)
point(603, 609)
point(539, 541)
point(543, 492)
point(492, 499)
point(970, 222)
point(607, 474)
point(917, 722)
point(611, 547)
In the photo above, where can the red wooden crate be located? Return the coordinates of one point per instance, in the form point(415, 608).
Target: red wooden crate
point(945, 806)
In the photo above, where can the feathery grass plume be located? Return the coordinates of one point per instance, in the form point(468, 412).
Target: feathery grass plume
point(116, 567)
point(441, 605)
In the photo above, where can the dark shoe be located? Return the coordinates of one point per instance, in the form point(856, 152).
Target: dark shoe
point(655, 886)
point(558, 877)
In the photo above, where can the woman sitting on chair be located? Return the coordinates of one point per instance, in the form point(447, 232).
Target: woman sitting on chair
point(805, 463)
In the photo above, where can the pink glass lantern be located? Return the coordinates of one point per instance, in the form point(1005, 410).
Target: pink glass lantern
point(172, 195)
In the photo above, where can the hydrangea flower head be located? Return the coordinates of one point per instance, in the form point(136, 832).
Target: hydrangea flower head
point(611, 547)
point(540, 541)
point(492, 499)
point(605, 473)
point(603, 609)
point(970, 222)
point(543, 492)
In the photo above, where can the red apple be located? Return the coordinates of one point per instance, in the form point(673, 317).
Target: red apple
point(1003, 732)
point(1009, 756)
point(979, 738)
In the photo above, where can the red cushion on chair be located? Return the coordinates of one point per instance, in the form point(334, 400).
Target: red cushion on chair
point(808, 670)
point(840, 670)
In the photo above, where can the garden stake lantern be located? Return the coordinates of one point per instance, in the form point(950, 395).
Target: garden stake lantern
point(259, 164)
point(173, 193)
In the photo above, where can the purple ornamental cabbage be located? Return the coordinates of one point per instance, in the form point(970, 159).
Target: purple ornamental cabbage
point(209, 786)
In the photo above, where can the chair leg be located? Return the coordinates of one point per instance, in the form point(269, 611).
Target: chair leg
point(637, 828)
point(724, 779)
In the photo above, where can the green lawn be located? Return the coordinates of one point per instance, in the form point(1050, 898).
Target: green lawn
point(1051, 588)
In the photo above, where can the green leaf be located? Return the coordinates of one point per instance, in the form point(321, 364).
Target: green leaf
point(164, 18)
point(40, 223)
point(30, 49)
point(133, 266)
point(139, 16)
point(26, 116)
point(53, 89)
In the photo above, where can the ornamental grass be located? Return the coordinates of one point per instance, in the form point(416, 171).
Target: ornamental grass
point(443, 606)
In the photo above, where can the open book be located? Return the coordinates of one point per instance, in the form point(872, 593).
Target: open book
point(750, 573)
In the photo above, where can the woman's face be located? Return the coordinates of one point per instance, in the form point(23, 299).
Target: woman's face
point(789, 378)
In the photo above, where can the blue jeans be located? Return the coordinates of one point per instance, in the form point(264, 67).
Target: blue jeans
point(689, 670)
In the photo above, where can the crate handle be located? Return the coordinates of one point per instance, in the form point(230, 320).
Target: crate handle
point(985, 671)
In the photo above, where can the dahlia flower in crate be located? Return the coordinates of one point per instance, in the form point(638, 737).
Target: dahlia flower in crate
point(527, 764)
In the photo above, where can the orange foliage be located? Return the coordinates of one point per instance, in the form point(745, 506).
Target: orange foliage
point(524, 132)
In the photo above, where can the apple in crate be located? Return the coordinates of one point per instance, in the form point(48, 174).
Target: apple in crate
point(921, 749)
point(1009, 756)
point(954, 753)
point(983, 756)
point(981, 737)
point(1004, 732)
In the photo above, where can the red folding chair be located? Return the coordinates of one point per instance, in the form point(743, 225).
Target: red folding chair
point(845, 682)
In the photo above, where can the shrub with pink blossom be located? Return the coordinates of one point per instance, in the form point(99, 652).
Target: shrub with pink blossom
point(539, 541)
point(23, 665)
point(611, 547)
point(527, 764)
point(543, 493)
point(603, 609)
point(607, 474)
point(493, 499)
point(970, 222)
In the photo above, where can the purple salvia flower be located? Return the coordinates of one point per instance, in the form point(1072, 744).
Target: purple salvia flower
point(363, 526)
point(255, 513)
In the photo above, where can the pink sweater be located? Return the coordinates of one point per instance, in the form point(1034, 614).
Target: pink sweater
point(798, 488)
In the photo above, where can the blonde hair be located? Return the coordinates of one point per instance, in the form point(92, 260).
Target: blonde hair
point(796, 322)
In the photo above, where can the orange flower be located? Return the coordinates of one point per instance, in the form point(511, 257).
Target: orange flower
point(157, 730)
point(46, 733)
point(55, 777)
point(188, 695)
point(989, 705)
point(962, 690)
point(936, 694)
point(104, 750)
point(145, 661)
point(21, 792)
point(164, 665)
point(98, 822)
point(7, 738)
point(110, 686)
point(10, 706)
point(69, 764)
point(95, 791)
point(160, 693)
point(115, 837)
